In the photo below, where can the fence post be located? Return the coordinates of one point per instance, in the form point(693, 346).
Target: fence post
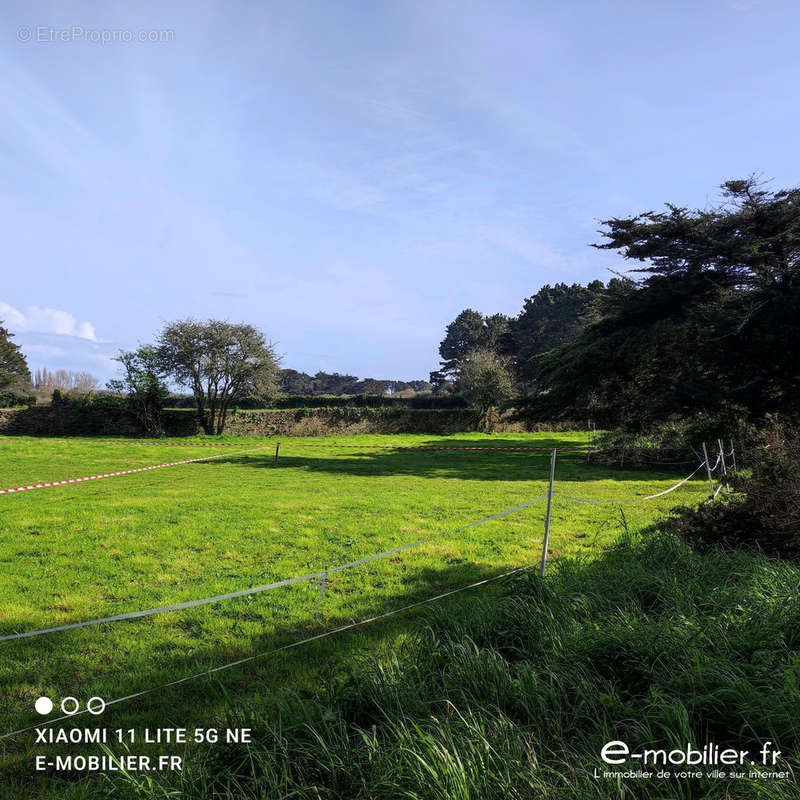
point(733, 458)
point(549, 509)
point(588, 439)
point(592, 428)
point(722, 460)
point(722, 457)
point(708, 470)
point(277, 452)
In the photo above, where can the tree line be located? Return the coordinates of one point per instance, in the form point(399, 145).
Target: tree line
point(65, 379)
point(704, 322)
point(334, 383)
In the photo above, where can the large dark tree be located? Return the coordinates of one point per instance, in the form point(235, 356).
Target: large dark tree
point(553, 316)
point(710, 321)
point(294, 382)
point(14, 372)
point(469, 331)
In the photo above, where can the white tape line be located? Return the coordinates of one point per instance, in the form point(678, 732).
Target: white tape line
point(289, 646)
point(268, 587)
point(635, 500)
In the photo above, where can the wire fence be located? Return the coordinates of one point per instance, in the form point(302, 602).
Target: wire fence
point(623, 501)
point(282, 648)
point(323, 574)
point(318, 575)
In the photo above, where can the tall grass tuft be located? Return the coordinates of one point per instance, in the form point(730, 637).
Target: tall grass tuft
point(512, 694)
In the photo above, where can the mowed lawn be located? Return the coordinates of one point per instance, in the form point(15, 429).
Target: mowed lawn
point(87, 550)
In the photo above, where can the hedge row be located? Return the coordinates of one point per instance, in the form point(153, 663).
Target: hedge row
point(425, 401)
point(98, 419)
point(112, 401)
point(16, 399)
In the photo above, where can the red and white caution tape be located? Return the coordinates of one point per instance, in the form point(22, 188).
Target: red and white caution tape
point(426, 447)
point(364, 445)
point(178, 444)
point(99, 476)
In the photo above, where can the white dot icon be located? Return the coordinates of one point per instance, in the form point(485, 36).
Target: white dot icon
point(44, 705)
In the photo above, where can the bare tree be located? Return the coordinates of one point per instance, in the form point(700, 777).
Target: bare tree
point(65, 379)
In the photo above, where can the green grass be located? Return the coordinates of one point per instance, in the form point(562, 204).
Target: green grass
point(514, 694)
point(102, 548)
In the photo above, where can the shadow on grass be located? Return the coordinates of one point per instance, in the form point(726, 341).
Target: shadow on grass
point(667, 654)
point(488, 465)
point(179, 705)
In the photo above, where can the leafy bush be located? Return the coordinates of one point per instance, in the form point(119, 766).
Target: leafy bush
point(15, 399)
point(766, 515)
point(99, 401)
point(677, 439)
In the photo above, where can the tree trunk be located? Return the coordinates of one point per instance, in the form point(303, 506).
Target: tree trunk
point(222, 418)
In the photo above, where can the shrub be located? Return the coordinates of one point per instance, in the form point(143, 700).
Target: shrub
point(766, 515)
point(101, 401)
point(15, 399)
point(675, 439)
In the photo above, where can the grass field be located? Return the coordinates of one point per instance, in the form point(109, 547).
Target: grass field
point(96, 549)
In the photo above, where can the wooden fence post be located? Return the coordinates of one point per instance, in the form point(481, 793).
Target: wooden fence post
point(277, 452)
point(588, 440)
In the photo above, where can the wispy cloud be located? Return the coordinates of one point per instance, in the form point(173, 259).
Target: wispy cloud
point(35, 319)
point(355, 178)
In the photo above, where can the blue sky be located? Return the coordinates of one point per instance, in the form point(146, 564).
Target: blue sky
point(349, 176)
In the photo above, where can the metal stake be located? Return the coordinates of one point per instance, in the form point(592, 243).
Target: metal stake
point(722, 457)
point(277, 451)
point(549, 509)
point(708, 470)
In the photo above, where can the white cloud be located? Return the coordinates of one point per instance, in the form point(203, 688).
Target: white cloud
point(35, 319)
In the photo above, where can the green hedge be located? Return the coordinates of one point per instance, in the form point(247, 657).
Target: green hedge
point(16, 399)
point(425, 401)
